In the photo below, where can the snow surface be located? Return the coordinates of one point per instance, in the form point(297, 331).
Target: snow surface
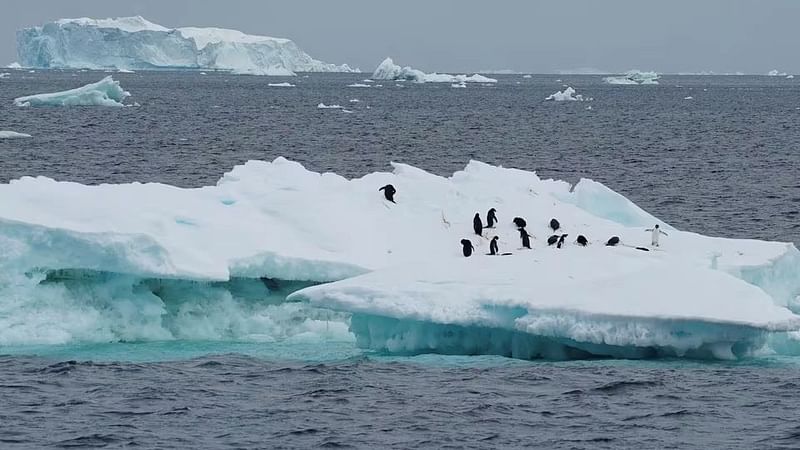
point(632, 77)
point(152, 261)
point(136, 43)
point(388, 70)
point(5, 134)
point(567, 94)
point(105, 92)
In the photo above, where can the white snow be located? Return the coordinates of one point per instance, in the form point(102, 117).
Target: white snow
point(695, 296)
point(567, 94)
point(324, 106)
point(632, 77)
point(280, 85)
point(135, 43)
point(388, 70)
point(105, 92)
point(5, 134)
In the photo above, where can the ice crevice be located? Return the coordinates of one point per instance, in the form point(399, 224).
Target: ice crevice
point(274, 251)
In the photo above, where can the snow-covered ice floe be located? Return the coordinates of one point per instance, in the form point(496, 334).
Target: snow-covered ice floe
point(567, 94)
point(248, 258)
point(136, 43)
point(634, 77)
point(6, 134)
point(388, 70)
point(105, 92)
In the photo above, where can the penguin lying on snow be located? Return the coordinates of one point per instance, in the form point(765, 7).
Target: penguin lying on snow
point(614, 240)
point(467, 247)
point(552, 239)
point(388, 192)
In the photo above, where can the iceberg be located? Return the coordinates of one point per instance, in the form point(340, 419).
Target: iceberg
point(105, 92)
point(6, 134)
point(130, 43)
point(632, 77)
point(274, 251)
point(776, 73)
point(567, 94)
point(388, 70)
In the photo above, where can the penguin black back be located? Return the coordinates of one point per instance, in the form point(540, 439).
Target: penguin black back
point(552, 239)
point(467, 248)
point(388, 192)
point(520, 222)
point(614, 240)
point(582, 240)
point(493, 248)
point(477, 225)
point(491, 218)
point(526, 238)
point(561, 240)
point(554, 224)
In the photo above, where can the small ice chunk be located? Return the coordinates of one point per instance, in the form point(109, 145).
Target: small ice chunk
point(567, 94)
point(324, 106)
point(105, 92)
point(280, 85)
point(5, 134)
point(358, 85)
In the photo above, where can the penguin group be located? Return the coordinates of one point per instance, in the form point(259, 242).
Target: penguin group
point(555, 239)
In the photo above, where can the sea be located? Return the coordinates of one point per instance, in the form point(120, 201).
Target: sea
point(717, 155)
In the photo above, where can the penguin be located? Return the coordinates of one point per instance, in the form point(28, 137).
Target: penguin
point(520, 222)
point(467, 247)
point(552, 239)
point(491, 218)
point(388, 192)
point(493, 249)
point(477, 225)
point(554, 224)
point(582, 240)
point(561, 240)
point(614, 240)
point(526, 241)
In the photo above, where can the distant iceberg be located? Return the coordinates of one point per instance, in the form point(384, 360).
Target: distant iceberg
point(5, 134)
point(632, 77)
point(130, 43)
point(105, 92)
point(567, 94)
point(776, 73)
point(388, 70)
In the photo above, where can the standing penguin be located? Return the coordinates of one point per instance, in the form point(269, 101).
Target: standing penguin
point(561, 240)
point(582, 241)
point(552, 239)
point(656, 234)
point(493, 249)
point(554, 224)
point(477, 225)
point(520, 222)
point(614, 240)
point(526, 241)
point(388, 192)
point(467, 247)
point(491, 218)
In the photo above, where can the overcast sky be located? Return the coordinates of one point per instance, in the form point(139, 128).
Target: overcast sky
point(752, 36)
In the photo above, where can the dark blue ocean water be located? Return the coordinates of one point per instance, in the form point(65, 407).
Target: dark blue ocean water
point(723, 163)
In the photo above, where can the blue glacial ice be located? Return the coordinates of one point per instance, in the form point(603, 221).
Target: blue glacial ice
point(105, 92)
point(276, 252)
point(135, 43)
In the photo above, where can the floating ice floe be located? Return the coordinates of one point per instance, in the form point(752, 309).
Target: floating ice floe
point(527, 76)
point(459, 85)
point(359, 85)
point(280, 85)
point(324, 106)
point(136, 43)
point(354, 100)
point(567, 94)
point(6, 134)
point(388, 70)
point(688, 98)
point(105, 92)
point(151, 262)
point(776, 73)
point(4, 74)
point(789, 77)
point(14, 65)
point(634, 77)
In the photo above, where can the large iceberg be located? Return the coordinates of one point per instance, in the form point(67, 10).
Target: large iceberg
point(136, 43)
point(249, 257)
point(105, 92)
point(632, 77)
point(388, 70)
